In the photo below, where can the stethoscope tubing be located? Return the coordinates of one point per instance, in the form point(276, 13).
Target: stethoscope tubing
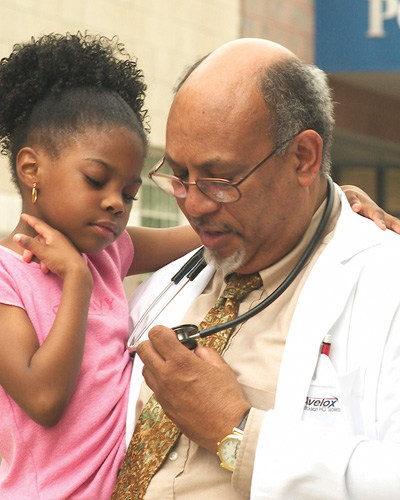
point(196, 264)
point(283, 286)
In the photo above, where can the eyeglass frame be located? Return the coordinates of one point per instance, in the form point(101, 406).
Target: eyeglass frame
point(186, 184)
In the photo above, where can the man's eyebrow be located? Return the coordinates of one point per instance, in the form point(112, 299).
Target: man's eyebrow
point(211, 162)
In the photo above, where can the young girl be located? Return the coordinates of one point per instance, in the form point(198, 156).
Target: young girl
point(73, 125)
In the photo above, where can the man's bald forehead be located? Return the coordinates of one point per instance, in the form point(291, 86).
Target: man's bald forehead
point(240, 58)
point(252, 49)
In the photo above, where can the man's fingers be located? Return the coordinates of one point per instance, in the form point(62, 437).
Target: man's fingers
point(165, 342)
point(150, 355)
point(209, 356)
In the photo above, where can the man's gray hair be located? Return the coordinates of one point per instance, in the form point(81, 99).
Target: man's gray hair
point(298, 98)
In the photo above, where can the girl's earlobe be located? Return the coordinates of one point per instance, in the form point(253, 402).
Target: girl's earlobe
point(27, 166)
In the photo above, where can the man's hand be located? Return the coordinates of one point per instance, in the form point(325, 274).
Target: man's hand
point(197, 389)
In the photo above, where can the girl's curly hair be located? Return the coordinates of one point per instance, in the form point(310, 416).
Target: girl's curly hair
point(53, 87)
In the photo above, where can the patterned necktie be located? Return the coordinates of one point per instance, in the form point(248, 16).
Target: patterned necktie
point(155, 433)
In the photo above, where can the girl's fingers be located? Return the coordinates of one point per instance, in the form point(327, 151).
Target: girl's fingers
point(38, 225)
point(392, 223)
point(354, 201)
point(27, 256)
point(43, 267)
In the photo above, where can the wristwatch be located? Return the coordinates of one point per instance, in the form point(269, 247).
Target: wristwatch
point(228, 447)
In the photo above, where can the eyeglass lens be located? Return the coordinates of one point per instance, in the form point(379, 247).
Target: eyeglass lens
point(218, 190)
point(170, 185)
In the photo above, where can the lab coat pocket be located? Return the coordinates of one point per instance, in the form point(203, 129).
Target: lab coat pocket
point(333, 400)
point(350, 389)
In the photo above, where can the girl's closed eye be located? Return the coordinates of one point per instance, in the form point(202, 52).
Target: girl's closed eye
point(131, 190)
point(129, 197)
point(94, 182)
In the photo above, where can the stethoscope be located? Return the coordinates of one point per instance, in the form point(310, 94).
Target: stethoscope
point(189, 334)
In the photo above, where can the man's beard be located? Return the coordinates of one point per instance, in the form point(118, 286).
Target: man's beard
point(227, 265)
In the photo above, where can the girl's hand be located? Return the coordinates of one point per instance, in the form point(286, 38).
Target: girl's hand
point(55, 251)
point(42, 378)
point(361, 203)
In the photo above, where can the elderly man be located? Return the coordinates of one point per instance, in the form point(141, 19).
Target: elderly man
point(248, 140)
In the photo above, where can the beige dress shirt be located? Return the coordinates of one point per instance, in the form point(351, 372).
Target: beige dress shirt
point(254, 352)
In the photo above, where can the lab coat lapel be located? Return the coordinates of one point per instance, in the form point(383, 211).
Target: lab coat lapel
point(320, 304)
point(327, 295)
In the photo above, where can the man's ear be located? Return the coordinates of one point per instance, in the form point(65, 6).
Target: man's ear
point(27, 166)
point(308, 150)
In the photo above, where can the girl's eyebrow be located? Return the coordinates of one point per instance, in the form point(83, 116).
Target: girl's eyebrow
point(110, 168)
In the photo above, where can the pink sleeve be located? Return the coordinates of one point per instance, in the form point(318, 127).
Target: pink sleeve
point(9, 293)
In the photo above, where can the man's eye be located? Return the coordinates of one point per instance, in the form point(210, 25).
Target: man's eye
point(182, 176)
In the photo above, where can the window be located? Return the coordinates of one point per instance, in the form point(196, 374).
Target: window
point(382, 183)
point(157, 209)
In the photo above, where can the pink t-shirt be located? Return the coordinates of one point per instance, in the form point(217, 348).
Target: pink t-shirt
point(80, 456)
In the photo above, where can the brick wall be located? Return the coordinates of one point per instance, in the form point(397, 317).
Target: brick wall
point(288, 22)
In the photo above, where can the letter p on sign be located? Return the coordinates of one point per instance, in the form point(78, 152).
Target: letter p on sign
point(380, 11)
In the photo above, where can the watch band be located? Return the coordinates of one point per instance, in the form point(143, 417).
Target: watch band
point(242, 423)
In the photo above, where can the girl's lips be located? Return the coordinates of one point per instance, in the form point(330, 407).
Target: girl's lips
point(105, 230)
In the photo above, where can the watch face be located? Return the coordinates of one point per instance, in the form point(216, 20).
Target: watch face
point(228, 451)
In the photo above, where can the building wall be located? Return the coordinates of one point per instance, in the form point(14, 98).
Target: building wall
point(165, 36)
point(288, 22)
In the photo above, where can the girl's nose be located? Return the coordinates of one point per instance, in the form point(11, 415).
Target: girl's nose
point(114, 203)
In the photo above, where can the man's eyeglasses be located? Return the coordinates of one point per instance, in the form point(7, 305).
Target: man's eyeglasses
point(220, 190)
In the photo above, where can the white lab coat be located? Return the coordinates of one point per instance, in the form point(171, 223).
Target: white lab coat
point(353, 294)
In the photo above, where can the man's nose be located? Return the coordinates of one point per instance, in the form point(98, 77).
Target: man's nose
point(197, 203)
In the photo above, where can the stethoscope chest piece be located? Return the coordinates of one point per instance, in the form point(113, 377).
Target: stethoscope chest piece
point(183, 332)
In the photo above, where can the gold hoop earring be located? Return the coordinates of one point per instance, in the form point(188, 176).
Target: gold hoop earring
point(34, 194)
